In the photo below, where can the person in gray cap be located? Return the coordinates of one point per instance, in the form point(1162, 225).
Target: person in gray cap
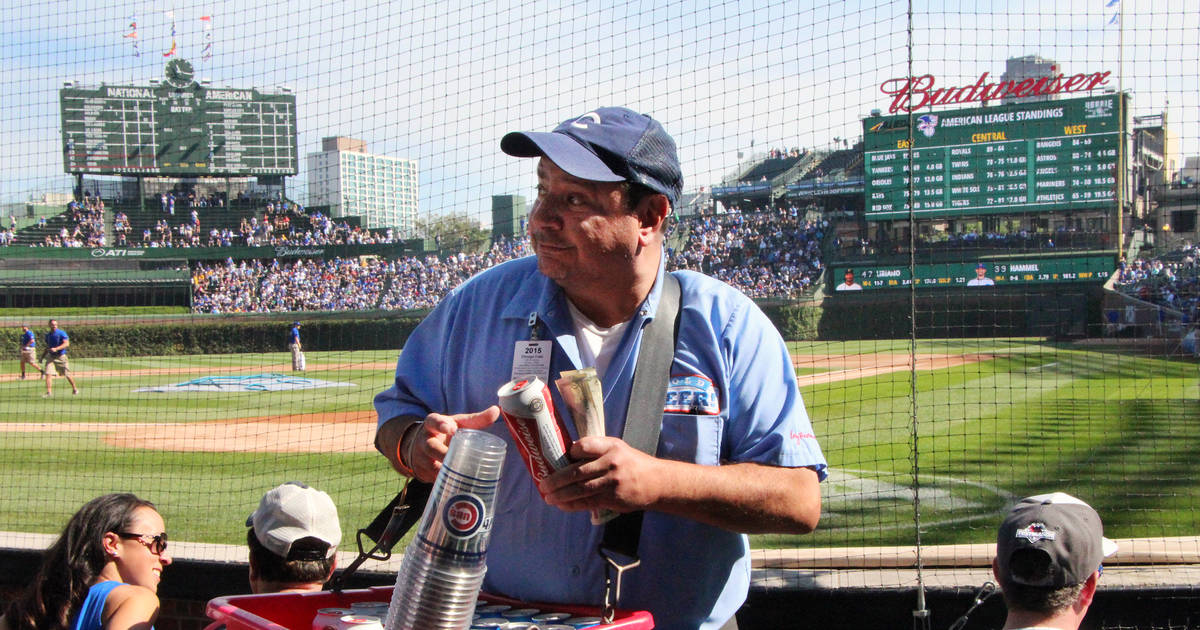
point(736, 452)
point(293, 539)
point(1048, 554)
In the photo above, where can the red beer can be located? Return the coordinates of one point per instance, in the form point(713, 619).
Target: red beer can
point(528, 411)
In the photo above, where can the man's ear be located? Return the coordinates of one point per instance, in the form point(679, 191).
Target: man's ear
point(332, 567)
point(1088, 593)
point(652, 214)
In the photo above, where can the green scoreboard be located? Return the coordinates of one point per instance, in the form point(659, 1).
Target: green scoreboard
point(1013, 271)
point(1033, 157)
point(182, 131)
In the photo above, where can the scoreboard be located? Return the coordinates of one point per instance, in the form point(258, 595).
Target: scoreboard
point(1065, 269)
point(168, 130)
point(1032, 157)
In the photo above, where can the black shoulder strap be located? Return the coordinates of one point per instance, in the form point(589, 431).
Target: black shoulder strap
point(643, 422)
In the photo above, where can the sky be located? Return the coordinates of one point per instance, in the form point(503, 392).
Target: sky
point(441, 82)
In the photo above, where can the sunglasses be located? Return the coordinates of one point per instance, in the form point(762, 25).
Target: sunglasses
point(157, 544)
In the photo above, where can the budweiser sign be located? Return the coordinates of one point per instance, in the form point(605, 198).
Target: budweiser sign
point(910, 94)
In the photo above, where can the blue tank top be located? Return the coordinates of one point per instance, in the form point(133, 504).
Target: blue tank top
point(90, 616)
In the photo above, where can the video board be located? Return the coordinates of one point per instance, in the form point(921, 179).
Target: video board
point(169, 130)
point(1032, 157)
point(995, 273)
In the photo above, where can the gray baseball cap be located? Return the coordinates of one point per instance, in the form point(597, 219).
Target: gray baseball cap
point(1059, 525)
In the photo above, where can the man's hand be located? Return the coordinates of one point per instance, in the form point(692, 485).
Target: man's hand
point(743, 497)
point(607, 473)
point(424, 448)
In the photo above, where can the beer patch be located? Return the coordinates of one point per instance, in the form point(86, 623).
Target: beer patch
point(692, 393)
point(463, 515)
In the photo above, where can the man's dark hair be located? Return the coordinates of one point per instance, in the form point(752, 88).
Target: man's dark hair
point(272, 568)
point(635, 193)
point(1034, 565)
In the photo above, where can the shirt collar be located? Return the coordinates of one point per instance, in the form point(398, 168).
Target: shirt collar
point(548, 300)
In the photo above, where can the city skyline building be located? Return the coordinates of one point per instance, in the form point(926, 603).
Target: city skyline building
point(1017, 69)
point(380, 189)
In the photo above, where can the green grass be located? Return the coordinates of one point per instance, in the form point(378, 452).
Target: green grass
point(1119, 431)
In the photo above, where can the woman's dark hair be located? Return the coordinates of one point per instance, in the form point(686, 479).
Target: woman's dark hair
point(71, 564)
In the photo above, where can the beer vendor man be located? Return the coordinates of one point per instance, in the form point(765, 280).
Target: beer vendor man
point(736, 453)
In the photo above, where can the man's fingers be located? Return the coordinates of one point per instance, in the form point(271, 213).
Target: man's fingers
point(481, 420)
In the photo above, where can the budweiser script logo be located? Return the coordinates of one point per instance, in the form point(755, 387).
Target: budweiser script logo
point(910, 94)
point(298, 251)
point(530, 445)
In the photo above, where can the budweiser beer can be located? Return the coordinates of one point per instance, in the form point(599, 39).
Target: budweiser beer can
point(360, 622)
point(327, 618)
point(528, 411)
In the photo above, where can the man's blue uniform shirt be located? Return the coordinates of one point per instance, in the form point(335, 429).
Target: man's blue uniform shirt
point(733, 397)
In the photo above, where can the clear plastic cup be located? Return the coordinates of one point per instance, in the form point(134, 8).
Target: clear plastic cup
point(439, 578)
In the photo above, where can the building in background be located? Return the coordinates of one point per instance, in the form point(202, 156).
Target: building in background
point(1018, 69)
point(380, 189)
point(508, 216)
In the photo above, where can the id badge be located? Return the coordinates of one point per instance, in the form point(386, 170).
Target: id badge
point(531, 358)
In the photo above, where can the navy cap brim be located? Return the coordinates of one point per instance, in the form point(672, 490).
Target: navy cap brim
point(564, 151)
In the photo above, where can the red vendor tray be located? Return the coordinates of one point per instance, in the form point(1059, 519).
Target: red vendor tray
point(295, 611)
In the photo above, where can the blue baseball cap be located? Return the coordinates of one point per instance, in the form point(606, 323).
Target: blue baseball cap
point(609, 144)
point(981, 266)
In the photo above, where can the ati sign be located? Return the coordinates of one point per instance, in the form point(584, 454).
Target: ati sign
point(116, 253)
point(911, 94)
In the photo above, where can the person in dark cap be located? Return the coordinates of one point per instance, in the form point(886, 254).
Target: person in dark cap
point(293, 537)
point(1048, 554)
point(296, 349)
point(736, 453)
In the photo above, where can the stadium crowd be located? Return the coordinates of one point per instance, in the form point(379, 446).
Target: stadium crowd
point(1171, 281)
point(339, 283)
point(763, 254)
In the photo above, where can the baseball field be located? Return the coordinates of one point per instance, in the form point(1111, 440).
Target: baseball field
point(942, 442)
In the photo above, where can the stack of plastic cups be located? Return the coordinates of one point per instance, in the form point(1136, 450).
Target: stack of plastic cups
point(443, 567)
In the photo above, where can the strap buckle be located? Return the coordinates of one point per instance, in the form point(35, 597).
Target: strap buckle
point(613, 571)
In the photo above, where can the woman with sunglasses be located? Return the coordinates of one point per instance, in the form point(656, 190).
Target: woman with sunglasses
point(101, 574)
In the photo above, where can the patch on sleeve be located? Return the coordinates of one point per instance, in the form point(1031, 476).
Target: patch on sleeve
point(692, 393)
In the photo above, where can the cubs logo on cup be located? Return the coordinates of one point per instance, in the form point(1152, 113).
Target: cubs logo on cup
point(463, 515)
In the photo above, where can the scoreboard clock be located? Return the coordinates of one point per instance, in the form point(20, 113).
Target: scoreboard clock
point(179, 72)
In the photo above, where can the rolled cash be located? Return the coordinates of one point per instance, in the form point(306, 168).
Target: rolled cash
point(584, 396)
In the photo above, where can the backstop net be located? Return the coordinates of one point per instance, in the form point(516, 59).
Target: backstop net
point(973, 223)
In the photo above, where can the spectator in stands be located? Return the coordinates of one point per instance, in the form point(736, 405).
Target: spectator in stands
point(1048, 554)
point(293, 539)
point(102, 572)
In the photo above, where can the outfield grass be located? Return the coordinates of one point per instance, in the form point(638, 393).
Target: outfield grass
point(1027, 417)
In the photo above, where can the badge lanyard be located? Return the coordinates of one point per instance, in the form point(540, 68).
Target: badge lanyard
point(532, 357)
